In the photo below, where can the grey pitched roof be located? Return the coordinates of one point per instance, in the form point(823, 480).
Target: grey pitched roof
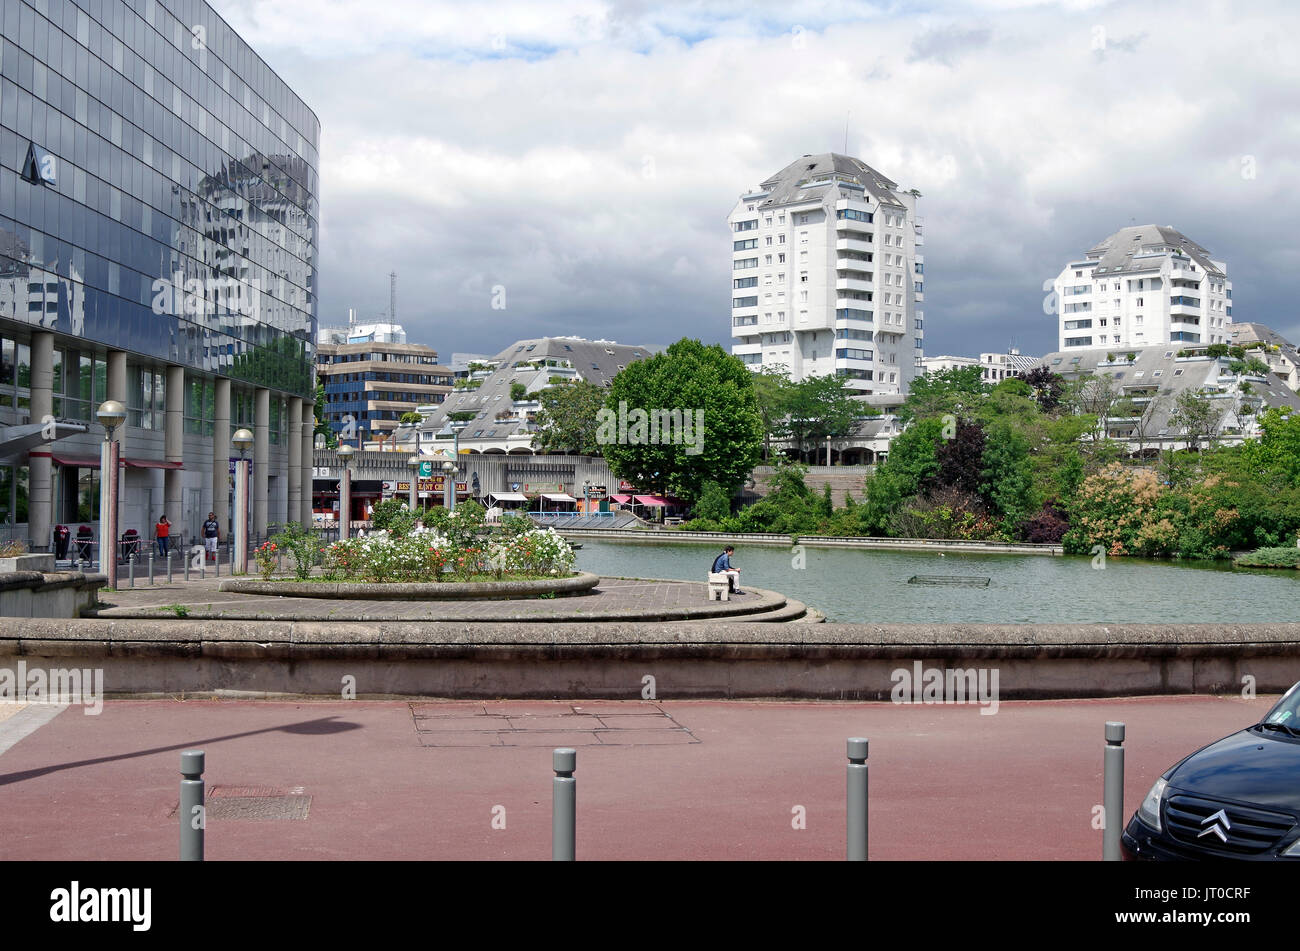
point(1159, 368)
point(596, 361)
point(784, 187)
point(1247, 332)
point(1118, 253)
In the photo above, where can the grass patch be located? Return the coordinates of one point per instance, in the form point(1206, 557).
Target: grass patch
point(1270, 558)
point(179, 610)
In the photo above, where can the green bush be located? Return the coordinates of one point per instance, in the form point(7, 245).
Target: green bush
point(301, 545)
point(1270, 558)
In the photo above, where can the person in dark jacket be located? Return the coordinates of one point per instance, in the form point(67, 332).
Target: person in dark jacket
point(722, 565)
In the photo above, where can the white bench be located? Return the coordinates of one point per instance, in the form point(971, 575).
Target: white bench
point(719, 586)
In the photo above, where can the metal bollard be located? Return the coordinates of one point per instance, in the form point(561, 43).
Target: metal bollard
point(187, 566)
point(564, 806)
point(856, 800)
point(1113, 792)
point(151, 566)
point(216, 561)
point(131, 568)
point(192, 809)
point(169, 566)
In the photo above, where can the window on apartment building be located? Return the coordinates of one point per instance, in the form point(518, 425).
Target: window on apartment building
point(803, 277)
point(768, 241)
point(803, 298)
point(1139, 302)
point(780, 239)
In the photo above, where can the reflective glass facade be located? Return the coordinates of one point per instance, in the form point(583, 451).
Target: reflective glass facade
point(158, 189)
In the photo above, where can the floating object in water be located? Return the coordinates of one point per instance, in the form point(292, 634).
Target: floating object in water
point(969, 581)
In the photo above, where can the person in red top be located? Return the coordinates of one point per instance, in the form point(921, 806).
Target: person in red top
point(162, 532)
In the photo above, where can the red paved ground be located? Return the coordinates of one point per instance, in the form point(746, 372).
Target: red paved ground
point(391, 780)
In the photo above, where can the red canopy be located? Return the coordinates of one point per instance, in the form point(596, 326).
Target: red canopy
point(651, 500)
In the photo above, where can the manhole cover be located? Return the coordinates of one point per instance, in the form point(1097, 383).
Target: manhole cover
point(255, 804)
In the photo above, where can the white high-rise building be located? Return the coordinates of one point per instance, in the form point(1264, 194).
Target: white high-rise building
point(827, 275)
point(1142, 287)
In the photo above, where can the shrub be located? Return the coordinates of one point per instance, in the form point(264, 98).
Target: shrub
point(392, 515)
point(266, 560)
point(301, 546)
point(1270, 558)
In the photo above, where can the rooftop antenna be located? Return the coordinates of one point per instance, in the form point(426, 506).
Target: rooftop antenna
point(392, 296)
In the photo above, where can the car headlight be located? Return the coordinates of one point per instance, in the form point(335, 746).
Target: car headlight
point(1293, 849)
point(1149, 811)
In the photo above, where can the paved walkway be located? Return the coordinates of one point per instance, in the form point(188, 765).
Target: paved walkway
point(665, 780)
point(614, 599)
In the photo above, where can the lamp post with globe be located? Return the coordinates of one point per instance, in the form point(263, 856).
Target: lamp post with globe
point(110, 414)
point(345, 493)
point(241, 439)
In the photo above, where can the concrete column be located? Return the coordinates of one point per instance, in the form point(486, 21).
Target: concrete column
point(40, 500)
point(221, 453)
point(261, 457)
point(174, 447)
point(308, 450)
point(294, 456)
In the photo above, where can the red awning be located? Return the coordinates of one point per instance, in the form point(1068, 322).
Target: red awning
point(621, 499)
point(651, 500)
point(76, 462)
point(150, 464)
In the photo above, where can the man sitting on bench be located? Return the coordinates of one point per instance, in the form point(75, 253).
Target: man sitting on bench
point(722, 565)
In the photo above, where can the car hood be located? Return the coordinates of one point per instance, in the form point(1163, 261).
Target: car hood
point(1248, 767)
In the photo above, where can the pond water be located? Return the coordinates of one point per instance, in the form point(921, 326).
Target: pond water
point(856, 585)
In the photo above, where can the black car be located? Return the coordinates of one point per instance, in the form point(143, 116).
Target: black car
point(1238, 798)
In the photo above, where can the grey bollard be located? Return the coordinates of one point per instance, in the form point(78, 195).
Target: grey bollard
point(131, 568)
point(192, 809)
point(151, 566)
point(1113, 801)
point(564, 806)
point(856, 800)
point(186, 566)
point(169, 566)
point(216, 561)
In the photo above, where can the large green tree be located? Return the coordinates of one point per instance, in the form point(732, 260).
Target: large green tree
point(567, 421)
point(934, 394)
point(819, 408)
point(685, 384)
point(771, 394)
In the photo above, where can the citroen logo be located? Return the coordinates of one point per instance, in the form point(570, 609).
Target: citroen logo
point(1220, 826)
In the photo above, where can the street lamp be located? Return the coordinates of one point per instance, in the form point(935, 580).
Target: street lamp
point(414, 463)
point(110, 415)
point(449, 485)
point(345, 493)
point(586, 496)
point(242, 440)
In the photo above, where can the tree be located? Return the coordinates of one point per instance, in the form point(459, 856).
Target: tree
point(911, 465)
point(1197, 416)
point(1048, 388)
point(518, 391)
point(771, 392)
point(961, 458)
point(689, 383)
point(1095, 396)
point(714, 502)
point(568, 419)
point(410, 417)
point(821, 407)
point(934, 394)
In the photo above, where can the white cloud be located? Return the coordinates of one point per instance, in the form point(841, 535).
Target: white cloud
point(590, 165)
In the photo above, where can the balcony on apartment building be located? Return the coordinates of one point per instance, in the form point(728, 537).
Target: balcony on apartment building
point(853, 284)
point(844, 243)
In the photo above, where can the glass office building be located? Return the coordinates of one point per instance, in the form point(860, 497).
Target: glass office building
point(158, 222)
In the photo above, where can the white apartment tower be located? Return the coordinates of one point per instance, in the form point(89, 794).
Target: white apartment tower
point(826, 275)
point(1142, 287)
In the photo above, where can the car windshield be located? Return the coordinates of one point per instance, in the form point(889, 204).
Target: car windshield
point(1286, 712)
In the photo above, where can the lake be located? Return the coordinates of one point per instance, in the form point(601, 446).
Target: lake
point(855, 585)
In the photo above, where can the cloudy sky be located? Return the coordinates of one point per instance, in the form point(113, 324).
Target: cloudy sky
point(584, 155)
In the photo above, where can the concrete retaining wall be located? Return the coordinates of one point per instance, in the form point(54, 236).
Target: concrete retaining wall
point(413, 591)
point(48, 594)
point(611, 660)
